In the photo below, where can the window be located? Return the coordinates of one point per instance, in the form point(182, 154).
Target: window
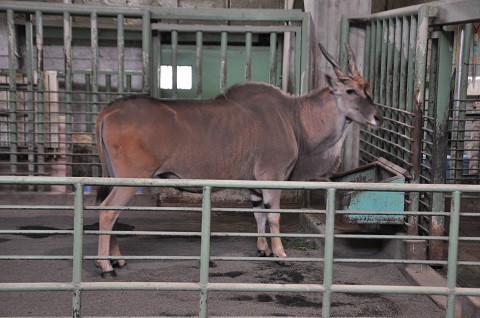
point(184, 77)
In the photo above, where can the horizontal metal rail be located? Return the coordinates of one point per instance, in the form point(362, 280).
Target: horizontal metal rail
point(239, 184)
point(156, 12)
point(204, 286)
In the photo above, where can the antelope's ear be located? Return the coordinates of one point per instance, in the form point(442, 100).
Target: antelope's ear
point(332, 83)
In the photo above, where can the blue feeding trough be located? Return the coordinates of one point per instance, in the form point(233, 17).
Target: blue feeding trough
point(381, 171)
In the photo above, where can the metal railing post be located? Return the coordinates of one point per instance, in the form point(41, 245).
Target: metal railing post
point(77, 249)
point(328, 256)
point(453, 252)
point(205, 249)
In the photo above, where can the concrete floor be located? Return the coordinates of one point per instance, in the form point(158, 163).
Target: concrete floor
point(158, 303)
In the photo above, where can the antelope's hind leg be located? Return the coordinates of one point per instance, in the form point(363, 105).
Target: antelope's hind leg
point(261, 218)
point(271, 199)
point(108, 246)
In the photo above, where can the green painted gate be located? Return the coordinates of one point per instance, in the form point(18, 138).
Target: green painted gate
point(78, 58)
point(409, 54)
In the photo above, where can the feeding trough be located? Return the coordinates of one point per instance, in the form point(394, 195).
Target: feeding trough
point(381, 171)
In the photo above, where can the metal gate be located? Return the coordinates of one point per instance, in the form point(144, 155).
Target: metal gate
point(67, 61)
point(408, 62)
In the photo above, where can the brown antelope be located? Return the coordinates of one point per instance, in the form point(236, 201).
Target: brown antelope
point(253, 131)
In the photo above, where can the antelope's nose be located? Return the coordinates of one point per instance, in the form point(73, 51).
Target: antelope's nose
point(378, 118)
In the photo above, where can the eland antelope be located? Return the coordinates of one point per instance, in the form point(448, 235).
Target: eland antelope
point(252, 131)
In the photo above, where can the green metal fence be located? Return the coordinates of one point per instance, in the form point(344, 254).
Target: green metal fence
point(204, 286)
point(67, 61)
point(418, 65)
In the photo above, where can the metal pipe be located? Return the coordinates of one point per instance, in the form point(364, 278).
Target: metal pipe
point(146, 47)
point(199, 42)
point(223, 61)
point(40, 96)
point(174, 60)
point(67, 42)
point(29, 105)
point(248, 56)
point(205, 250)
point(273, 57)
point(328, 255)
point(12, 87)
point(453, 252)
point(95, 74)
point(121, 53)
point(460, 93)
point(77, 250)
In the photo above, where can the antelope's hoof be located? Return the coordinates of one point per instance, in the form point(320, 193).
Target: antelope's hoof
point(107, 274)
point(116, 264)
point(264, 254)
point(282, 263)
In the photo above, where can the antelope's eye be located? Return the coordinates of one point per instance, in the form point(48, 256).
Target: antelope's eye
point(351, 91)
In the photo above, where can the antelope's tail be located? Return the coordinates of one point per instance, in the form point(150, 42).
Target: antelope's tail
point(107, 170)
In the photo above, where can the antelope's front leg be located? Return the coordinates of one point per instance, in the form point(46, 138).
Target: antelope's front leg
point(262, 244)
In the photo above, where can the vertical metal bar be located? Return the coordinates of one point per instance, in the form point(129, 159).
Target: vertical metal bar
point(12, 87)
point(199, 43)
point(378, 54)
point(298, 62)
point(205, 250)
point(410, 79)
point(366, 56)
point(121, 53)
point(306, 73)
point(223, 61)
point(413, 197)
point(402, 98)
point(396, 62)
point(95, 55)
point(372, 59)
point(77, 249)
point(389, 76)
point(396, 83)
point(342, 53)
point(156, 61)
point(328, 256)
point(404, 64)
point(67, 42)
point(174, 63)
point(453, 252)
point(440, 141)
point(376, 77)
point(108, 87)
point(369, 38)
point(40, 96)
point(383, 63)
point(273, 57)
point(383, 44)
point(419, 100)
point(129, 83)
point(460, 95)
point(88, 103)
point(30, 127)
point(146, 39)
point(411, 62)
point(349, 158)
point(94, 80)
point(248, 56)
